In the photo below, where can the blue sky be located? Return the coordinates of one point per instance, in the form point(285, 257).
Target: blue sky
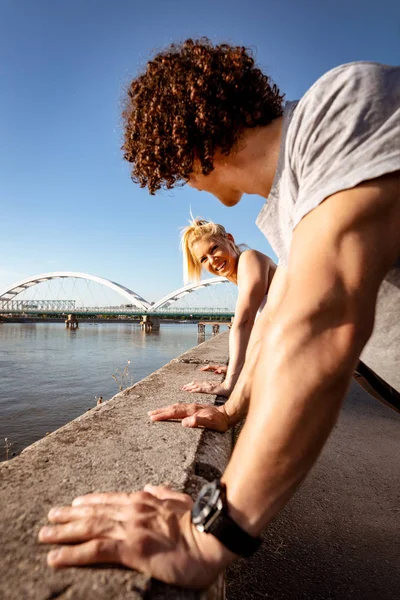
point(66, 199)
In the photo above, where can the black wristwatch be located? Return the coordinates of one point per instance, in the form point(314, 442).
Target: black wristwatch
point(210, 515)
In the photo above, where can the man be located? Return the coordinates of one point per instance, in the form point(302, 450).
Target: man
point(329, 167)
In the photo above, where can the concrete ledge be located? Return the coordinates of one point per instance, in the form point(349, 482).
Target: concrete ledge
point(112, 447)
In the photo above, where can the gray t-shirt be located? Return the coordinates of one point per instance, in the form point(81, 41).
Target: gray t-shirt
point(345, 130)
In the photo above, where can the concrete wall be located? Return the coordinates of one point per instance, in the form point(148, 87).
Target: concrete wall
point(337, 539)
point(112, 447)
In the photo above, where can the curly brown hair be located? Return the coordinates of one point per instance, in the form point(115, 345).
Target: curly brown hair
point(194, 98)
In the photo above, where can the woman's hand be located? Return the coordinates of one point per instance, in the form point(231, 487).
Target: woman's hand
point(217, 369)
point(150, 531)
point(194, 415)
point(208, 387)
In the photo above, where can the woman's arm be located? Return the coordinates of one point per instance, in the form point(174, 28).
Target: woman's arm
point(255, 272)
point(235, 409)
point(222, 417)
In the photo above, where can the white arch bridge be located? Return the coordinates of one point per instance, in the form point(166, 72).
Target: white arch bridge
point(14, 300)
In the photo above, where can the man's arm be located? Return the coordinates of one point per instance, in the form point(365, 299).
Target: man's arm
point(310, 349)
point(303, 370)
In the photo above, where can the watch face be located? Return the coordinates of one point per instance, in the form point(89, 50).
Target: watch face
point(205, 503)
point(205, 498)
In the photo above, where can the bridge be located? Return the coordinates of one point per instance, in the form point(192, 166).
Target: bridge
point(19, 299)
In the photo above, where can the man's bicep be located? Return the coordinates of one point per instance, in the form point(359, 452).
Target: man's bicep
point(352, 237)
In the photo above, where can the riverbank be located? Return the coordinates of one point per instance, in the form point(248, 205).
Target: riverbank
point(113, 446)
point(51, 375)
point(337, 538)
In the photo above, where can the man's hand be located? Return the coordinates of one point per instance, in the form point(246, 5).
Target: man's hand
point(208, 387)
point(217, 369)
point(150, 531)
point(194, 415)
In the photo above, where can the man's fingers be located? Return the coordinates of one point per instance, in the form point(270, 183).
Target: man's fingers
point(65, 514)
point(117, 498)
point(104, 498)
point(89, 553)
point(81, 531)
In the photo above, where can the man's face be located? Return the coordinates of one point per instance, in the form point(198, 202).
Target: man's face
point(218, 183)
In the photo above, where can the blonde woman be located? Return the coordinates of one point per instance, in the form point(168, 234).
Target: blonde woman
point(207, 245)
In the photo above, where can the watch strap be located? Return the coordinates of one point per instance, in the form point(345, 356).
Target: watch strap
point(232, 536)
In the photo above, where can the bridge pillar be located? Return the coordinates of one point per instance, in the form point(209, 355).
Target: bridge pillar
point(201, 329)
point(150, 323)
point(71, 322)
point(215, 329)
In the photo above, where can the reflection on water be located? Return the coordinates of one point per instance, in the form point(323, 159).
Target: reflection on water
point(50, 375)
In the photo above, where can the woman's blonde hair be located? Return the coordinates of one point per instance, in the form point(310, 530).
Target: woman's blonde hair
point(198, 229)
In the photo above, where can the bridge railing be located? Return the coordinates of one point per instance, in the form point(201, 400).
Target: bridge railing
point(33, 308)
point(37, 305)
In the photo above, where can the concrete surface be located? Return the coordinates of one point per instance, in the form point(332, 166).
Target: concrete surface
point(339, 536)
point(112, 447)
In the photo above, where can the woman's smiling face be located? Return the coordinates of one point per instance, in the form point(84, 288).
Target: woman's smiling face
point(217, 255)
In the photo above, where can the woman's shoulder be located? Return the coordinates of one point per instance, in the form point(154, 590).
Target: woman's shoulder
point(253, 257)
point(254, 269)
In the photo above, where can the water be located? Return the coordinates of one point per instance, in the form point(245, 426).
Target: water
point(50, 375)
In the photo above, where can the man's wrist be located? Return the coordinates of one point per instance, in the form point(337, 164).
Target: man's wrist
point(211, 550)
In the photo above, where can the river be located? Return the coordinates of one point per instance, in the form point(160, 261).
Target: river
point(50, 375)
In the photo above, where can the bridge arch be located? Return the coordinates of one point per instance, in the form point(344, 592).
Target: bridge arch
point(21, 286)
point(187, 289)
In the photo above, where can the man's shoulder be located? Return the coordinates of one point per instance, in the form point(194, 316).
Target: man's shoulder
point(344, 108)
point(358, 66)
point(349, 78)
